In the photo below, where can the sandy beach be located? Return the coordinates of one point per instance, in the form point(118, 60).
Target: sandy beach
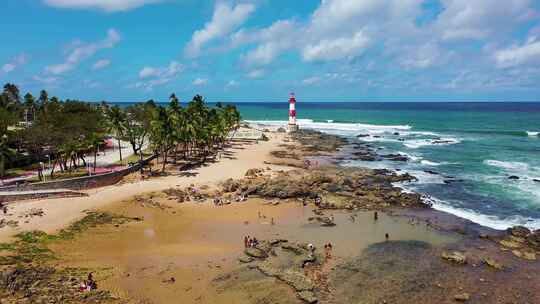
point(162, 241)
point(58, 213)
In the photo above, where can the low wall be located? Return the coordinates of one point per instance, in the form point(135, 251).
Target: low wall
point(16, 196)
point(80, 183)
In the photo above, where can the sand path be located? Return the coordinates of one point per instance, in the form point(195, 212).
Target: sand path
point(59, 213)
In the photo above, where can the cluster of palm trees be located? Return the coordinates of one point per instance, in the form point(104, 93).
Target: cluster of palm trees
point(194, 131)
point(66, 132)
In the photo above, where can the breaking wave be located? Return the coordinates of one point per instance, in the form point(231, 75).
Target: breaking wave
point(491, 221)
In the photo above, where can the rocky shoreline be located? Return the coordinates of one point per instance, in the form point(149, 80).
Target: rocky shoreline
point(481, 265)
point(420, 271)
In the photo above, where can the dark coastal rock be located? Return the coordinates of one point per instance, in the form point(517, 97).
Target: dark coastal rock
point(534, 239)
point(431, 172)
point(536, 180)
point(362, 135)
point(395, 157)
point(514, 177)
point(230, 185)
point(519, 231)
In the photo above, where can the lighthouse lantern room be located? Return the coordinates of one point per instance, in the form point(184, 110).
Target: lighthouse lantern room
point(293, 127)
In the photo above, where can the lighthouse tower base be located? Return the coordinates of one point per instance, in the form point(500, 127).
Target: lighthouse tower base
point(292, 128)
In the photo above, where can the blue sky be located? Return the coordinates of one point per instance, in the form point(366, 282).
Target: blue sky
point(260, 50)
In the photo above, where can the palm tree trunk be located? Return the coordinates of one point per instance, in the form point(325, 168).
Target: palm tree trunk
point(53, 166)
point(164, 159)
point(2, 168)
point(120, 150)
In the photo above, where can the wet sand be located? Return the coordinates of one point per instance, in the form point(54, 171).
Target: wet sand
point(59, 213)
point(195, 243)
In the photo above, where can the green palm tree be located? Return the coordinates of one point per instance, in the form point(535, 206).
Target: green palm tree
point(5, 153)
point(94, 142)
point(117, 125)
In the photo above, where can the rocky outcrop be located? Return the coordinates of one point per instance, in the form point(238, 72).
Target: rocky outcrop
point(492, 263)
point(255, 253)
point(462, 297)
point(331, 188)
point(308, 297)
point(522, 242)
point(455, 257)
point(519, 231)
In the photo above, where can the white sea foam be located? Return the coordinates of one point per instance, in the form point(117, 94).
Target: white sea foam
point(532, 133)
point(482, 219)
point(510, 166)
point(418, 143)
point(346, 129)
point(429, 163)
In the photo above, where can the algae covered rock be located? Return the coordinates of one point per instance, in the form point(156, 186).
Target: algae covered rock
point(308, 297)
point(455, 257)
point(462, 297)
point(255, 253)
point(297, 280)
point(492, 263)
point(519, 231)
point(246, 259)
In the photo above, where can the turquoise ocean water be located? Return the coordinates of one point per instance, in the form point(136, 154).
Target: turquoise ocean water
point(474, 147)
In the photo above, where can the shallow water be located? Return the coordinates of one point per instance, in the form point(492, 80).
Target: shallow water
point(195, 243)
point(479, 145)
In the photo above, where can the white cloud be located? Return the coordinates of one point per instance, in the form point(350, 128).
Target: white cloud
point(275, 39)
point(311, 80)
point(232, 83)
point(337, 29)
point(46, 80)
point(255, 74)
point(478, 19)
point(100, 64)
point(338, 48)
point(148, 72)
point(517, 55)
point(18, 61)
point(156, 76)
point(173, 69)
point(224, 20)
point(84, 51)
point(90, 84)
point(106, 5)
point(423, 56)
point(200, 81)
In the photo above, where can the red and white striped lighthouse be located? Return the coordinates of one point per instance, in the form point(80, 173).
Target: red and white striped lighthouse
point(293, 127)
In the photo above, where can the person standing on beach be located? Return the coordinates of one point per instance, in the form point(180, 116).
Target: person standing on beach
point(376, 215)
point(246, 241)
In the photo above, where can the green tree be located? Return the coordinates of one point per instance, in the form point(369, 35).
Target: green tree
point(6, 153)
point(117, 125)
point(94, 143)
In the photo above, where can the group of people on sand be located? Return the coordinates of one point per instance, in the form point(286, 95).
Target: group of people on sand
point(218, 201)
point(89, 284)
point(250, 242)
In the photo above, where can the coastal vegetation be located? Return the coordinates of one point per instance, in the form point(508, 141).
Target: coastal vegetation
point(68, 134)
